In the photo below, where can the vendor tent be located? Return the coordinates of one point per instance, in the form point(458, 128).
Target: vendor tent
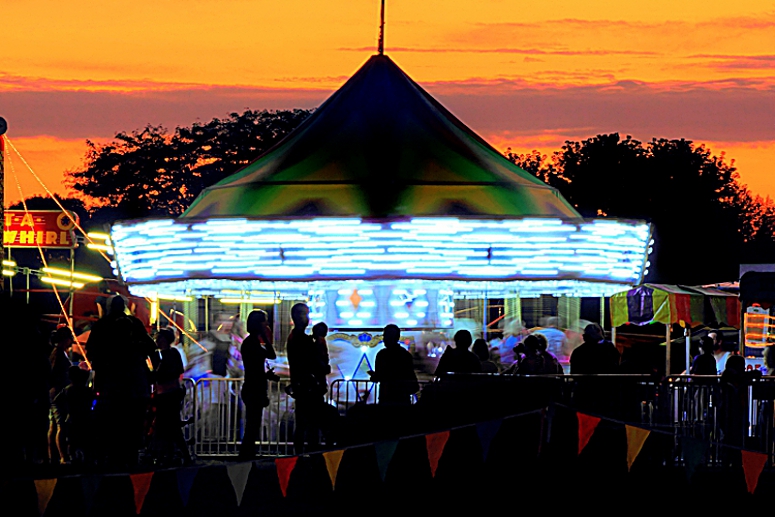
point(668, 304)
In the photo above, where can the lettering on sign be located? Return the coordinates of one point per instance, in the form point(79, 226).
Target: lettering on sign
point(39, 228)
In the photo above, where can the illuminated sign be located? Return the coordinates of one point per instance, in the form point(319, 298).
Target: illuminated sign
point(323, 249)
point(39, 228)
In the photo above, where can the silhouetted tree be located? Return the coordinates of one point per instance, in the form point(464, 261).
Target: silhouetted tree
point(151, 172)
point(705, 222)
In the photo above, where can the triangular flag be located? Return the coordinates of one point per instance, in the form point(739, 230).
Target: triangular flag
point(90, 484)
point(45, 489)
point(385, 451)
point(636, 437)
point(587, 425)
point(486, 432)
point(753, 464)
point(141, 483)
point(238, 473)
point(185, 482)
point(435, 443)
point(693, 453)
point(284, 468)
point(333, 459)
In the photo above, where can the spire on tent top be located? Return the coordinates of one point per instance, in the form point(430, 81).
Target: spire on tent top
point(381, 45)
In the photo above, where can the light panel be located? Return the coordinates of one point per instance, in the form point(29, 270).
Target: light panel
point(308, 250)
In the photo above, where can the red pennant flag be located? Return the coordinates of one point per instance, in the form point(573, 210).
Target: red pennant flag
point(284, 468)
point(753, 464)
point(435, 443)
point(141, 484)
point(587, 425)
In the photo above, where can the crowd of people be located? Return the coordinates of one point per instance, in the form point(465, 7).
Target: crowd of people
point(121, 393)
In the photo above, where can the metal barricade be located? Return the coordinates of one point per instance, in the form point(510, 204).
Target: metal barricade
point(685, 406)
point(219, 418)
point(343, 394)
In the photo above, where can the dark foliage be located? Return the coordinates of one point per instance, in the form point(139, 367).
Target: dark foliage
point(705, 223)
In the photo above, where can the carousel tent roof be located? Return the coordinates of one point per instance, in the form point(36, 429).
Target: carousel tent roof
point(381, 147)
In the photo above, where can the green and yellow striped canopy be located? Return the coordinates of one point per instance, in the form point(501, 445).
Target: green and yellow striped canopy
point(381, 147)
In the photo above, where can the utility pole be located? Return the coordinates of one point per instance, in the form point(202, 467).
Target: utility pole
point(3, 128)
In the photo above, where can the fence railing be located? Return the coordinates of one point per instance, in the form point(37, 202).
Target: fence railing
point(219, 418)
point(694, 406)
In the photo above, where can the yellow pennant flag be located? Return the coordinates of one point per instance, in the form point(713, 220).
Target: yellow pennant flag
point(45, 488)
point(636, 437)
point(333, 459)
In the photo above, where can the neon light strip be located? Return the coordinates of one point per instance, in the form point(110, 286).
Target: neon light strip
point(423, 248)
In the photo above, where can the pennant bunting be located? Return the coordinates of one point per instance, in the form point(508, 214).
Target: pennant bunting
point(90, 484)
point(238, 474)
point(636, 437)
point(385, 451)
point(141, 483)
point(486, 432)
point(753, 464)
point(284, 468)
point(185, 482)
point(587, 425)
point(45, 489)
point(333, 459)
point(694, 451)
point(435, 443)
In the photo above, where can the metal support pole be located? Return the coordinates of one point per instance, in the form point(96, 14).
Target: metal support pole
point(669, 350)
point(10, 278)
point(602, 311)
point(72, 289)
point(688, 336)
point(484, 315)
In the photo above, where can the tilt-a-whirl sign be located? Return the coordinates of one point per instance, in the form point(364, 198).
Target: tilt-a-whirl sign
point(39, 228)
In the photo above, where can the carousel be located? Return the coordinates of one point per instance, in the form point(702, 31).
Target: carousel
point(381, 207)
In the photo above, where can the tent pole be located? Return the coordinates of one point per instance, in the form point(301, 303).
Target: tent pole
point(669, 349)
point(688, 336)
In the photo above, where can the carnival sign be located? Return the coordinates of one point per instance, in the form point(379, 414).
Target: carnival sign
point(39, 228)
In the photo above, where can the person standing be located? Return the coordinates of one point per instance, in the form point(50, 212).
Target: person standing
point(118, 348)
point(459, 359)
point(168, 398)
point(308, 380)
point(394, 370)
point(62, 339)
point(256, 349)
point(595, 354)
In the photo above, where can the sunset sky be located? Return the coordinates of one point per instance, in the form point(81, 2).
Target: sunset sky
point(525, 74)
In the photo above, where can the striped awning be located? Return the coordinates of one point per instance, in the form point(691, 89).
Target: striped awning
point(668, 304)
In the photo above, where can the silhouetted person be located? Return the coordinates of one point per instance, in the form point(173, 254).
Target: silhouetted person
point(537, 360)
point(118, 348)
point(705, 363)
point(733, 419)
point(256, 349)
point(595, 354)
point(769, 361)
point(459, 359)
point(482, 351)
point(308, 380)
point(720, 351)
point(168, 398)
point(394, 370)
point(319, 333)
point(74, 405)
point(551, 363)
point(62, 339)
